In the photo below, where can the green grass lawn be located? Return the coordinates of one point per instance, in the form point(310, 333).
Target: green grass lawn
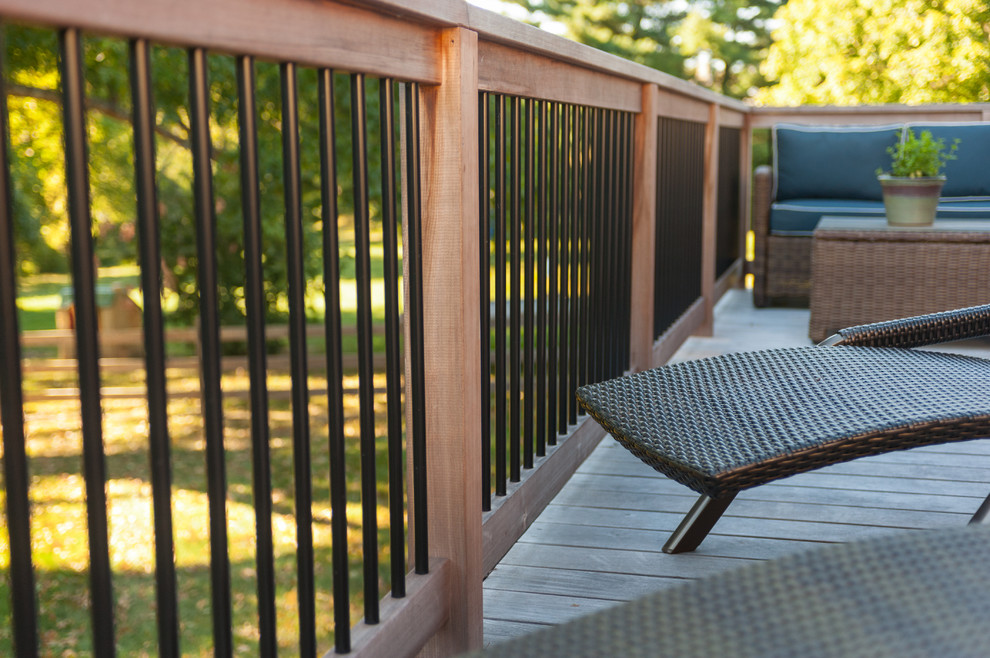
point(60, 545)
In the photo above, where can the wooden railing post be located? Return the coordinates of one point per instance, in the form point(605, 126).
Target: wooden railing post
point(644, 231)
point(452, 342)
point(709, 221)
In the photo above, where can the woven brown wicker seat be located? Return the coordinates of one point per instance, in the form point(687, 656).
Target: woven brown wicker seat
point(724, 424)
point(918, 593)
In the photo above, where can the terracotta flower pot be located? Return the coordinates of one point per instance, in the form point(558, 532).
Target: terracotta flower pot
point(911, 201)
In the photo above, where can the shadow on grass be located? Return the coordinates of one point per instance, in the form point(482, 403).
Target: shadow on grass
point(60, 546)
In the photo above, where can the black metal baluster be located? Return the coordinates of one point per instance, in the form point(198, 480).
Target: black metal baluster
point(530, 209)
point(335, 374)
point(393, 358)
point(627, 197)
point(484, 281)
point(15, 463)
point(500, 137)
point(613, 240)
point(254, 297)
point(612, 245)
point(306, 589)
point(622, 260)
point(564, 260)
point(553, 238)
point(154, 346)
point(87, 340)
point(575, 223)
point(587, 210)
point(514, 289)
point(665, 261)
point(366, 367)
point(600, 255)
point(414, 252)
point(541, 282)
point(622, 253)
point(211, 403)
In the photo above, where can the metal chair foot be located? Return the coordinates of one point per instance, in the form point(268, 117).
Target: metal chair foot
point(982, 513)
point(697, 524)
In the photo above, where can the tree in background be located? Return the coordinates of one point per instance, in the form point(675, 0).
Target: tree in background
point(38, 171)
point(725, 41)
point(847, 52)
point(716, 43)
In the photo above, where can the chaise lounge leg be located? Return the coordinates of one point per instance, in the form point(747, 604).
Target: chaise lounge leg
point(982, 513)
point(697, 524)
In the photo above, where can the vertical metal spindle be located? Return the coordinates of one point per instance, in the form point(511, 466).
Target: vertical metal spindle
point(541, 282)
point(623, 247)
point(413, 250)
point(622, 250)
point(500, 137)
point(393, 358)
point(600, 235)
point(660, 263)
point(528, 290)
point(587, 210)
point(612, 242)
point(514, 289)
point(627, 196)
point(366, 368)
point(15, 463)
point(564, 286)
point(484, 282)
point(553, 238)
point(294, 248)
point(87, 340)
point(574, 295)
point(154, 346)
point(335, 372)
point(613, 234)
point(211, 399)
point(254, 297)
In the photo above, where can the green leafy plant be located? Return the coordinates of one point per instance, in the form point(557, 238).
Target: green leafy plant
point(919, 156)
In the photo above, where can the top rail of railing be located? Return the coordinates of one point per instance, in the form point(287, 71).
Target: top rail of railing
point(381, 37)
point(762, 117)
point(399, 38)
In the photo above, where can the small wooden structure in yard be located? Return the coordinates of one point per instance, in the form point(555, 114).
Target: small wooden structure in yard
point(115, 310)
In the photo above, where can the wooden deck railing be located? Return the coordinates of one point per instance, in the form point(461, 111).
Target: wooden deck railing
point(609, 206)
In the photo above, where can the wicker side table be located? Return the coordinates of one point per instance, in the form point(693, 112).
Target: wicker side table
point(863, 270)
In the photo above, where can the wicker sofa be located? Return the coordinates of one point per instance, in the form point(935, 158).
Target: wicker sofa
point(831, 170)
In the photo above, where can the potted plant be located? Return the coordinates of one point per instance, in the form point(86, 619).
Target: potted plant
point(911, 190)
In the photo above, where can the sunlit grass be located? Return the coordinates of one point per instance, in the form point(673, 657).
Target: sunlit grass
point(60, 545)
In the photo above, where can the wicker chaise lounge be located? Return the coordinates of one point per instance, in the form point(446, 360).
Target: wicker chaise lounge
point(728, 423)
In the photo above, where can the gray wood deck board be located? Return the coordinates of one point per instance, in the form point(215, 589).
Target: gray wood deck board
point(598, 543)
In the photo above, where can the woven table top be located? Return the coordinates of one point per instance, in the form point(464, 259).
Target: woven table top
point(727, 423)
point(917, 593)
point(866, 229)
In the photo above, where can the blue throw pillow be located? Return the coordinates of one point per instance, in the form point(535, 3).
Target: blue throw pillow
point(969, 174)
point(831, 162)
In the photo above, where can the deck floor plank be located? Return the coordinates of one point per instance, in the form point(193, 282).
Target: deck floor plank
point(598, 543)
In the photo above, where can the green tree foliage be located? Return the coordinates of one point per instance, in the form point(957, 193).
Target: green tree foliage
point(848, 52)
point(726, 40)
point(716, 43)
point(38, 172)
point(639, 30)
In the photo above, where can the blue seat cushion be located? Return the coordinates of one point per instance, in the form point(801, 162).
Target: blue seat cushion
point(800, 216)
point(949, 208)
point(969, 174)
point(831, 162)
